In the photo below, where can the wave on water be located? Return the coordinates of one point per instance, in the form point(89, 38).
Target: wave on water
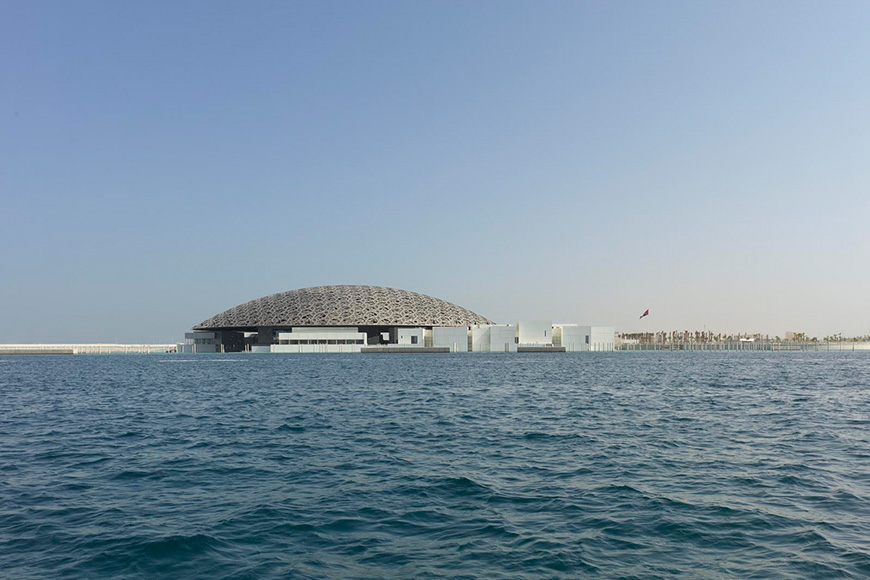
point(709, 466)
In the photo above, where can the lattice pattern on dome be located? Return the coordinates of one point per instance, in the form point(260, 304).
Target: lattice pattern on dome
point(344, 306)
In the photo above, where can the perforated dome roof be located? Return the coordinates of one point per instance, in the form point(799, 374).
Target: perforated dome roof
point(344, 306)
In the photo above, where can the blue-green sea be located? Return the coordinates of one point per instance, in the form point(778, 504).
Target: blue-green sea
point(475, 466)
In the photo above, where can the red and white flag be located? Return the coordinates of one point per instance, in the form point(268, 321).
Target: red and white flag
point(644, 314)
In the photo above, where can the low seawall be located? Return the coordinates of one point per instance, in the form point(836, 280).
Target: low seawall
point(32, 349)
point(404, 349)
point(542, 348)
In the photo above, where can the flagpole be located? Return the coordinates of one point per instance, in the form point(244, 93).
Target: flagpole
point(648, 333)
point(647, 329)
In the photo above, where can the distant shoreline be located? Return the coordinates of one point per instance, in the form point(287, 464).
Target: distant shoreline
point(761, 346)
point(724, 346)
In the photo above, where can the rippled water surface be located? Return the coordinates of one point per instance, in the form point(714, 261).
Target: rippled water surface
point(608, 465)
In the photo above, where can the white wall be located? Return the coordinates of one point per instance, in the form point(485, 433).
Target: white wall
point(573, 337)
point(535, 331)
point(603, 338)
point(480, 336)
point(503, 338)
point(325, 333)
point(454, 337)
point(320, 339)
point(405, 336)
point(314, 348)
point(498, 338)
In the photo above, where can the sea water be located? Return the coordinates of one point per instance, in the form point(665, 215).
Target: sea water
point(600, 465)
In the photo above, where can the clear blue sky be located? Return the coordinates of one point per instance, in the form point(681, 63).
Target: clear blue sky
point(578, 161)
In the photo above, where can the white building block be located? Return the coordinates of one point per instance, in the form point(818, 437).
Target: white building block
point(406, 336)
point(306, 339)
point(496, 338)
point(535, 332)
point(575, 337)
point(453, 337)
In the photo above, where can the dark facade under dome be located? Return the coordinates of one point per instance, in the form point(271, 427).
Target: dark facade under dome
point(360, 306)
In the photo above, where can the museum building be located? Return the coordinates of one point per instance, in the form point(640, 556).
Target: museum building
point(370, 319)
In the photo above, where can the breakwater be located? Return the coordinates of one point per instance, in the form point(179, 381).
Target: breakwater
point(96, 348)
